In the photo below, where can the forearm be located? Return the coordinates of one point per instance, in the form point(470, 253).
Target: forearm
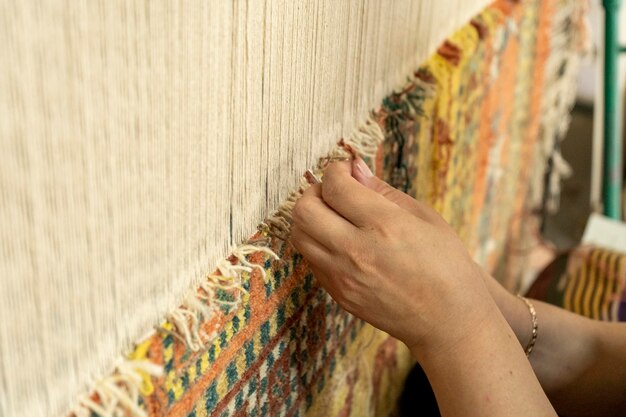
point(573, 356)
point(486, 374)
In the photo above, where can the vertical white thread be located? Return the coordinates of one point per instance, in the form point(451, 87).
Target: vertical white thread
point(140, 141)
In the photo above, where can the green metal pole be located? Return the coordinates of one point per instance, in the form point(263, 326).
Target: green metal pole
point(612, 183)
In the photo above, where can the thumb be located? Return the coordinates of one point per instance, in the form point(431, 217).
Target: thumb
point(362, 173)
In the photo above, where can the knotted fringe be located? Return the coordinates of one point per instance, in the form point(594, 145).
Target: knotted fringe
point(118, 394)
point(201, 305)
point(363, 142)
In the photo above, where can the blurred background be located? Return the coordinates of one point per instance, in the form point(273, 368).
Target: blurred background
point(583, 146)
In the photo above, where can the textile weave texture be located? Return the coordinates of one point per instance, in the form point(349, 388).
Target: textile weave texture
point(461, 135)
point(141, 140)
point(587, 280)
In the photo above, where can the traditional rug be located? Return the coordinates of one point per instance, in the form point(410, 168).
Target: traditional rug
point(125, 170)
point(587, 280)
point(472, 131)
point(140, 141)
point(261, 338)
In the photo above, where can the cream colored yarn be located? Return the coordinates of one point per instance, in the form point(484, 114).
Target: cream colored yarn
point(140, 140)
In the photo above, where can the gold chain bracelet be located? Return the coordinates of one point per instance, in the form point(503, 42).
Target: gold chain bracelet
point(533, 318)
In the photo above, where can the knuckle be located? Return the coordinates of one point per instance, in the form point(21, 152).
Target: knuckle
point(429, 214)
point(385, 190)
point(309, 191)
point(331, 170)
point(331, 189)
point(294, 232)
point(296, 212)
point(389, 226)
point(302, 210)
point(314, 190)
point(392, 228)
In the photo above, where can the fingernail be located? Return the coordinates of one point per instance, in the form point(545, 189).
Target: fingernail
point(362, 167)
point(311, 178)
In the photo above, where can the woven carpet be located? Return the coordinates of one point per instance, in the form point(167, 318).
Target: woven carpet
point(587, 280)
point(461, 135)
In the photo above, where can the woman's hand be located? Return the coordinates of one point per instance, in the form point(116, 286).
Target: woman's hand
point(389, 260)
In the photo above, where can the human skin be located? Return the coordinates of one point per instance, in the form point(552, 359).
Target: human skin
point(580, 363)
point(408, 274)
point(395, 263)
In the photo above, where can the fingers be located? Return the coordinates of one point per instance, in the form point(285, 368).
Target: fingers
point(313, 251)
point(362, 173)
point(358, 204)
point(321, 262)
point(315, 218)
point(328, 280)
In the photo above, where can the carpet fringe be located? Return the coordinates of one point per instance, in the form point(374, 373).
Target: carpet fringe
point(118, 393)
point(363, 142)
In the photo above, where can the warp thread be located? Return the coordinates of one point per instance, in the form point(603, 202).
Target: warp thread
point(118, 394)
point(363, 142)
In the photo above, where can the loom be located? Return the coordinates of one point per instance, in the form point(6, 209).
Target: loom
point(142, 143)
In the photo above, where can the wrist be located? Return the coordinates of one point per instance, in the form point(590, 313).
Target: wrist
point(485, 373)
point(507, 303)
point(467, 329)
point(514, 311)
